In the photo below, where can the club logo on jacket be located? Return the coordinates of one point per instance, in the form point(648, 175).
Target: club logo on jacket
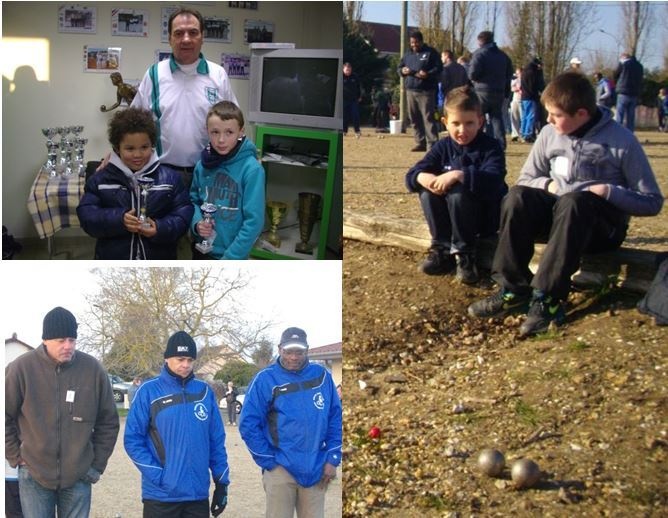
point(211, 94)
point(201, 412)
point(319, 401)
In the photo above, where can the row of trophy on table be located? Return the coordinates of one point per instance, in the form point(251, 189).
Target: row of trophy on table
point(65, 157)
point(307, 214)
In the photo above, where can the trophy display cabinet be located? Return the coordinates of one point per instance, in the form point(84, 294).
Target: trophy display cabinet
point(301, 168)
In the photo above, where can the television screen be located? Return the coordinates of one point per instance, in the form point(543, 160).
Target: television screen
point(301, 86)
point(296, 87)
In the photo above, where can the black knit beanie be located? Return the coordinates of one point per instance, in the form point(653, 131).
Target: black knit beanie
point(181, 344)
point(59, 323)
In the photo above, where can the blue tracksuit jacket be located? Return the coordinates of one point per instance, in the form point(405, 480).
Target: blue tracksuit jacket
point(293, 419)
point(174, 434)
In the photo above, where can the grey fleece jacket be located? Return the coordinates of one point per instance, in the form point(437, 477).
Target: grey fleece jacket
point(60, 420)
point(607, 154)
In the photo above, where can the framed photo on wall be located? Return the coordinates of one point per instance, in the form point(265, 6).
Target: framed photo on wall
point(161, 55)
point(217, 29)
point(258, 31)
point(237, 66)
point(166, 12)
point(129, 22)
point(76, 18)
point(243, 5)
point(101, 59)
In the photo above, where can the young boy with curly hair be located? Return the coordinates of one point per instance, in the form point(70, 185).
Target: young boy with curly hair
point(110, 207)
point(585, 176)
point(460, 182)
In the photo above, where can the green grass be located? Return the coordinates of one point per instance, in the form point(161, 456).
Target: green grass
point(123, 412)
point(526, 412)
point(578, 345)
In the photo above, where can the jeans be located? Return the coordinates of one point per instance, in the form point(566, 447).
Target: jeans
point(492, 103)
point(456, 218)
point(40, 502)
point(528, 124)
point(573, 224)
point(351, 114)
point(626, 110)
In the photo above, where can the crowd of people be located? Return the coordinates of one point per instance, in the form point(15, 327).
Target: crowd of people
point(62, 425)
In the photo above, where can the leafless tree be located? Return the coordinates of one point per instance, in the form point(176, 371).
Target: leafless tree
point(135, 311)
point(429, 18)
point(637, 27)
point(464, 16)
point(352, 12)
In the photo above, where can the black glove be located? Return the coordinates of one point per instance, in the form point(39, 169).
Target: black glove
point(219, 501)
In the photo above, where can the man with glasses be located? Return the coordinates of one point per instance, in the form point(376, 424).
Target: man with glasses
point(291, 424)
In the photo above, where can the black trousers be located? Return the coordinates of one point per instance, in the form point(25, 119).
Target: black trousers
point(194, 509)
point(573, 224)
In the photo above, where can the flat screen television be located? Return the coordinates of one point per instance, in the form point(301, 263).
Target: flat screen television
point(297, 87)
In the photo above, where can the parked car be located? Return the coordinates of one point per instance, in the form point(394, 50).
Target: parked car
point(119, 387)
point(240, 400)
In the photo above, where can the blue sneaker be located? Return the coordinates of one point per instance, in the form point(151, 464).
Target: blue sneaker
point(543, 310)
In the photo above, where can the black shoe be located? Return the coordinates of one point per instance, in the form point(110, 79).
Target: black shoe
point(419, 148)
point(499, 304)
point(438, 262)
point(514, 139)
point(467, 272)
point(543, 310)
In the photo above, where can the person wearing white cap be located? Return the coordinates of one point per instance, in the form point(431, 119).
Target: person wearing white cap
point(291, 424)
point(576, 63)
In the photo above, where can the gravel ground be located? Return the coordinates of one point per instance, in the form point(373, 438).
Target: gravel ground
point(118, 494)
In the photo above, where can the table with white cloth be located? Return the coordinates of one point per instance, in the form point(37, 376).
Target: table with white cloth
point(53, 202)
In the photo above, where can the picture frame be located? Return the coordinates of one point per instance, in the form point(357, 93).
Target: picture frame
point(77, 18)
point(101, 59)
point(129, 22)
point(165, 12)
point(160, 55)
point(243, 5)
point(237, 66)
point(217, 29)
point(258, 31)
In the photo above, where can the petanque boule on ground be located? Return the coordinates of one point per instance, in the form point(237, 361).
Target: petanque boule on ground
point(491, 462)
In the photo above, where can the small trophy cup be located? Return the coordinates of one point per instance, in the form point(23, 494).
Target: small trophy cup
point(309, 208)
point(145, 184)
point(276, 211)
point(208, 212)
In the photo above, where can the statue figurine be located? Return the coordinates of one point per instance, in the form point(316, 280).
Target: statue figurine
point(124, 92)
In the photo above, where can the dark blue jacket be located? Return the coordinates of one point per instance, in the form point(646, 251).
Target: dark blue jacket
point(352, 89)
point(491, 70)
point(426, 59)
point(293, 419)
point(109, 194)
point(482, 161)
point(628, 77)
point(174, 434)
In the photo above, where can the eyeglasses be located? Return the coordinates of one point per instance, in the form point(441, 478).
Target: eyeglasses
point(294, 352)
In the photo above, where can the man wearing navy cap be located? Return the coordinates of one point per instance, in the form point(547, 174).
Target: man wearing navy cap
point(61, 422)
point(291, 424)
point(174, 434)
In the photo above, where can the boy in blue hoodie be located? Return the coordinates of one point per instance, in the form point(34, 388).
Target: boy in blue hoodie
point(229, 176)
point(460, 182)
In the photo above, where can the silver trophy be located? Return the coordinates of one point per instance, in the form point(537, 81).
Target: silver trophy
point(145, 185)
point(208, 212)
point(52, 151)
point(78, 162)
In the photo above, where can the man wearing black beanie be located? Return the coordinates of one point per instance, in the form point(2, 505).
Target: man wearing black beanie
point(61, 422)
point(174, 423)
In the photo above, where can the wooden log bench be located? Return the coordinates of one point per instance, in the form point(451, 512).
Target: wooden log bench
point(633, 269)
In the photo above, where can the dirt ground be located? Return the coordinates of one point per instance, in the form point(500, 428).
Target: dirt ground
point(587, 402)
point(118, 493)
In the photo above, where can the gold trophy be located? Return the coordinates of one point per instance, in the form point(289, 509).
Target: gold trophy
point(309, 210)
point(276, 211)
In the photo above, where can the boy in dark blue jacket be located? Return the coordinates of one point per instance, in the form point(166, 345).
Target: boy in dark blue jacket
point(110, 208)
point(461, 182)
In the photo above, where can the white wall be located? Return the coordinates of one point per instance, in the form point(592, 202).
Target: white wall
point(71, 96)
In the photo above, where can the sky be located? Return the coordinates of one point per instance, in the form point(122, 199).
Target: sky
point(304, 294)
point(609, 17)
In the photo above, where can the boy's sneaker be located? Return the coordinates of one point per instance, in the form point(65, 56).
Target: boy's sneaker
point(438, 262)
point(467, 272)
point(499, 304)
point(543, 310)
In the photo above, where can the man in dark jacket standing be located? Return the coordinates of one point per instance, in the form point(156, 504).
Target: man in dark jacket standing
point(491, 71)
point(628, 81)
point(453, 75)
point(532, 85)
point(352, 95)
point(61, 422)
point(421, 68)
